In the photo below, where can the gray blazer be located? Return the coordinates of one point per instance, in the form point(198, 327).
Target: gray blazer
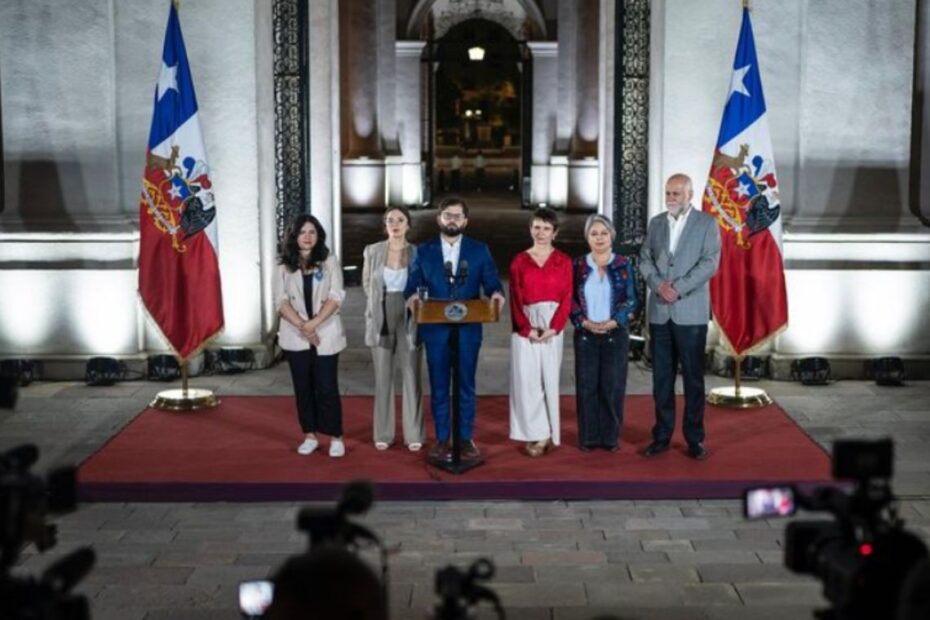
point(375, 256)
point(689, 269)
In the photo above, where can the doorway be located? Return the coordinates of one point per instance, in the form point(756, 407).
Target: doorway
point(477, 138)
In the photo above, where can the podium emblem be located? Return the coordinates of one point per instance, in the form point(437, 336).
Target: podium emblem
point(455, 311)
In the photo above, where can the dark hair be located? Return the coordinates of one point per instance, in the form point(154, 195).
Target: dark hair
point(453, 201)
point(289, 252)
point(546, 215)
point(328, 582)
point(403, 210)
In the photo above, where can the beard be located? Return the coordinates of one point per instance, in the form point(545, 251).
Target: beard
point(676, 208)
point(450, 230)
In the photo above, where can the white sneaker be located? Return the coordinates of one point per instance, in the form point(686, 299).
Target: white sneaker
point(308, 446)
point(337, 448)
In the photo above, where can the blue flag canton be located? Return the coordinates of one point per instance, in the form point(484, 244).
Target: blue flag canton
point(742, 110)
point(175, 101)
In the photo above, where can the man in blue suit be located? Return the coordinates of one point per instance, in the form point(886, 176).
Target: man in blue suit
point(452, 266)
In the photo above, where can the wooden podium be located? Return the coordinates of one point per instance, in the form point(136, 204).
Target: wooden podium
point(455, 313)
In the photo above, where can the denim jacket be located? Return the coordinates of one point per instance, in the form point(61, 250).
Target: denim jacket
point(622, 290)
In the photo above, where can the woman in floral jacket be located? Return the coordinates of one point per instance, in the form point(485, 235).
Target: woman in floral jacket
point(603, 301)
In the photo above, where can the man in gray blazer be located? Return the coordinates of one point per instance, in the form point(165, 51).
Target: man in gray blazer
point(677, 260)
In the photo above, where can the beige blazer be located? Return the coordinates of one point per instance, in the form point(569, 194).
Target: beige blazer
point(373, 282)
point(289, 287)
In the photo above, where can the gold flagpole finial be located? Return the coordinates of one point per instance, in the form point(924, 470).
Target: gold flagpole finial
point(177, 4)
point(745, 5)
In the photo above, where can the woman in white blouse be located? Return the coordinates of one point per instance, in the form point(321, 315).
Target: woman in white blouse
point(308, 293)
point(391, 332)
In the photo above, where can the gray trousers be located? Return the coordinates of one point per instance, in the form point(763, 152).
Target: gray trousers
point(397, 354)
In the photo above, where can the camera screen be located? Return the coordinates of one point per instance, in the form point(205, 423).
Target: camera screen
point(255, 597)
point(769, 502)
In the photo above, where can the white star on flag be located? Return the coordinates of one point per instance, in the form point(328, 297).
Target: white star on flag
point(736, 82)
point(175, 191)
point(167, 79)
point(742, 190)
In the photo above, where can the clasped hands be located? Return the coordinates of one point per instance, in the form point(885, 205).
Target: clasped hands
point(541, 334)
point(599, 327)
point(667, 292)
point(308, 330)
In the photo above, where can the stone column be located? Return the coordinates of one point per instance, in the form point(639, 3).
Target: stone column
point(404, 176)
point(325, 182)
point(545, 116)
point(568, 52)
point(583, 187)
point(362, 158)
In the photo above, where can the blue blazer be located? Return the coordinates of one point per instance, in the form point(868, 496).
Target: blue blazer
point(428, 269)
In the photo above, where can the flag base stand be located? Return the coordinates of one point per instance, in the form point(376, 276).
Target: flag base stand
point(184, 400)
point(736, 397)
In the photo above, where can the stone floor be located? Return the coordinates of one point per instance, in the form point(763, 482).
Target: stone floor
point(555, 560)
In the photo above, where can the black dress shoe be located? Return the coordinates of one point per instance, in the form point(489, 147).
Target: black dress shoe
point(440, 451)
point(697, 452)
point(654, 449)
point(470, 450)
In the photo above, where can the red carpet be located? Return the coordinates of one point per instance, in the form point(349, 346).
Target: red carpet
point(245, 450)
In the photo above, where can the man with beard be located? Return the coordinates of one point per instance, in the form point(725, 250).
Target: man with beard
point(452, 266)
point(677, 260)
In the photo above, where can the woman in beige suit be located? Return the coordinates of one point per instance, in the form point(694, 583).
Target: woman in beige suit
point(308, 293)
point(391, 333)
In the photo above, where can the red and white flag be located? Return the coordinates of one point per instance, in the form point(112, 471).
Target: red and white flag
point(179, 275)
point(748, 293)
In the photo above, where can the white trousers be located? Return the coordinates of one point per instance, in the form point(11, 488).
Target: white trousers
point(534, 379)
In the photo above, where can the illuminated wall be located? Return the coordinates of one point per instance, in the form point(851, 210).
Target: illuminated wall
point(77, 103)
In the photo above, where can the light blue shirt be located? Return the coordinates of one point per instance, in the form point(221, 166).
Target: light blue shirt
point(451, 252)
point(597, 293)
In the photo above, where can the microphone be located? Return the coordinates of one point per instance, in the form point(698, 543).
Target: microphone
point(463, 270)
point(449, 275)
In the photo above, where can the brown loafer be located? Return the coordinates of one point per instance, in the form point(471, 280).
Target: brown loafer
point(440, 451)
point(470, 450)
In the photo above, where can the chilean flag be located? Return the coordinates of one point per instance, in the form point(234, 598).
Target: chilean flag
point(179, 275)
point(748, 294)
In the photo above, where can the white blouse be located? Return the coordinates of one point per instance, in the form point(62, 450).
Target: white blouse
point(395, 279)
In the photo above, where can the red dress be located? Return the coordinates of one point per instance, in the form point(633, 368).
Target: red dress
point(530, 284)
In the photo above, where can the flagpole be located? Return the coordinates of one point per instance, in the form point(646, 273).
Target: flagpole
point(738, 362)
point(184, 378)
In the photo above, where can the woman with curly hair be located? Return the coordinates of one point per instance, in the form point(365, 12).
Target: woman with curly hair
point(308, 293)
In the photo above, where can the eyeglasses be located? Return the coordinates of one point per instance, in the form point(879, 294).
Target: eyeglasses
point(453, 217)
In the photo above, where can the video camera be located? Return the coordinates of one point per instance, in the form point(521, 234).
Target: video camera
point(324, 527)
point(25, 502)
point(459, 591)
point(862, 556)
